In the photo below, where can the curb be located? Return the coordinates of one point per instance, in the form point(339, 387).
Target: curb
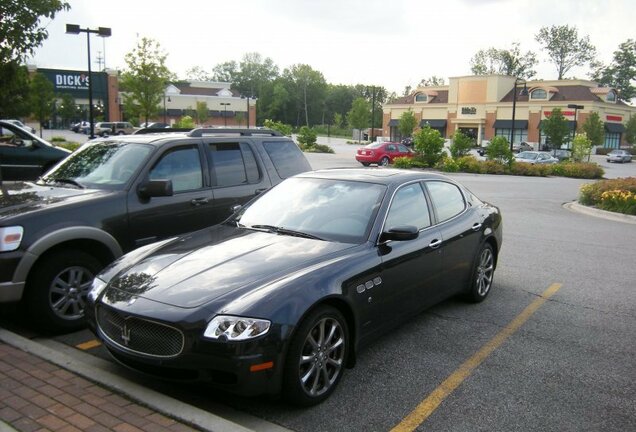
point(591, 211)
point(161, 403)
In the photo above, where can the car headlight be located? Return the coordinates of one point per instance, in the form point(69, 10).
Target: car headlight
point(97, 287)
point(235, 328)
point(10, 238)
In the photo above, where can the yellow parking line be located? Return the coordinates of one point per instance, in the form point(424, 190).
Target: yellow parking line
point(88, 345)
point(430, 404)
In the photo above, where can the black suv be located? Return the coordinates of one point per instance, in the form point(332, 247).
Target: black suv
point(116, 194)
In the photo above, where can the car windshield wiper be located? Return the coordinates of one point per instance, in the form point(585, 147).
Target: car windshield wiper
point(65, 181)
point(285, 231)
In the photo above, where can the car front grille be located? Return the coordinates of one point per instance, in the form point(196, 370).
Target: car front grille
point(139, 335)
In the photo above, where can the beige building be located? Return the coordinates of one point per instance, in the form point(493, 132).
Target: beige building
point(482, 107)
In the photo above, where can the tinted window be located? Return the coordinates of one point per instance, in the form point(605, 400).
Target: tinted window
point(286, 157)
point(447, 199)
point(233, 164)
point(182, 166)
point(409, 208)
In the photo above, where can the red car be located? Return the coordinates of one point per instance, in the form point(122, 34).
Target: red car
point(382, 153)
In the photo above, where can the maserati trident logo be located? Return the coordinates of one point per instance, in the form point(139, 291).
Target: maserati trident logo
point(125, 334)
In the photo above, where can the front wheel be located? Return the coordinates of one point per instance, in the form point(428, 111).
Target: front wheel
point(316, 357)
point(57, 290)
point(384, 161)
point(483, 274)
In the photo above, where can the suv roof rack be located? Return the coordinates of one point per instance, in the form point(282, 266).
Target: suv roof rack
point(199, 132)
point(150, 130)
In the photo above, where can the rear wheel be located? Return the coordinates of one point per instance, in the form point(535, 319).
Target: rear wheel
point(384, 161)
point(483, 274)
point(365, 163)
point(316, 357)
point(57, 289)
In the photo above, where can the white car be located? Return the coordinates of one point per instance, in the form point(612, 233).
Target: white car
point(619, 156)
point(536, 157)
point(20, 124)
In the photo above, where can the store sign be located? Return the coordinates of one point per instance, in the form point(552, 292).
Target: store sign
point(71, 81)
point(614, 118)
point(565, 113)
point(75, 83)
point(469, 110)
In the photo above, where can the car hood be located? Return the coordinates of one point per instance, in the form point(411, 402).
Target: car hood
point(208, 264)
point(23, 197)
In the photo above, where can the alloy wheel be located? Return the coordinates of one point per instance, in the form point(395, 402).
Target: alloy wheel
point(68, 291)
point(485, 271)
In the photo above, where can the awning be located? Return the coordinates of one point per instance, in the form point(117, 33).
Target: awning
point(435, 124)
point(571, 124)
point(615, 127)
point(394, 122)
point(507, 124)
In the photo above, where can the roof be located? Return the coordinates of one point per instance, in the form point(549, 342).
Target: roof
point(386, 176)
point(187, 89)
point(563, 93)
point(441, 98)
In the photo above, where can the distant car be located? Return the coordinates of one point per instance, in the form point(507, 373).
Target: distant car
point(521, 147)
point(20, 124)
point(114, 128)
point(25, 156)
point(408, 141)
point(382, 154)
point(80, 127)
point(562, 154)
point(535, 157)
point(619, 156)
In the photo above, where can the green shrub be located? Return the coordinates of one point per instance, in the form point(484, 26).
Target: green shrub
point(449, 165)
point(69, 145)
point(185, 122)
point(403, 162)
point(429, 144)
point(499, 150)
point(584, 170)
point(526, 169)
point(493, 167)
point(316, 148)
point(281, 127)
point(307, 137)
point(603, 150)
point(617, 195)
point(461, 145)
point(58, 139)
point(470, 164)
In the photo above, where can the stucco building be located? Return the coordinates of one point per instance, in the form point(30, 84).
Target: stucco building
point(481, 106)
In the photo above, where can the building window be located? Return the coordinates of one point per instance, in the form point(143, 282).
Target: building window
point(539, 94)
point(421, 97)
point(612, 140)
point(611, 96)
point(521, 135)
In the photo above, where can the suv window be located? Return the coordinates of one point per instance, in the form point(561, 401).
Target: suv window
point(409, 207)
point(447, 199)
point(182, 166)
point(233, 164)
point(286, 157)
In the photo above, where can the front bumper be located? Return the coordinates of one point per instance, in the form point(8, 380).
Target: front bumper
point(11, 289)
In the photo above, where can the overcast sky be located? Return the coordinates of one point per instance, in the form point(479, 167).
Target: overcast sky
point(392, 43)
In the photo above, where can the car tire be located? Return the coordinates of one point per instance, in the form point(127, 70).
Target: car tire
point(482, 275)
point(318, 350)
point(384, 161)
point(57, 289)
point(365, 163)
point(121, 133)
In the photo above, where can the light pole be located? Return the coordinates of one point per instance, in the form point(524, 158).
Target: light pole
point(225, 104)
point(248, 109)
point(524, 92)
point(165, 113)
point(102, 32)
point(576, 108)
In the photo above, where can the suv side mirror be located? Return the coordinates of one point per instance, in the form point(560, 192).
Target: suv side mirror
point(400, 233)
point(155, 188)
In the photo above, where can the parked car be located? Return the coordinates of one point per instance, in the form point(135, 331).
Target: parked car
point(536, 157)
point(119, 193)
point(20, 124)
point(113, 128)
point(521, 147)
point(619, 156)
point(25, 156)
point(562, 154)
point(80, 126)
point(382, 153)
point(283, 295)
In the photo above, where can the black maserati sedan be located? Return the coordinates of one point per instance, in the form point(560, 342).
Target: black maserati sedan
point(281, 296)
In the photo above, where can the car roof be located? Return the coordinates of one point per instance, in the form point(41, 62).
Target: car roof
point(386, 176)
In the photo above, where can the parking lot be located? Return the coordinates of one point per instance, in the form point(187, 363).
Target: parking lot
point(567, 363)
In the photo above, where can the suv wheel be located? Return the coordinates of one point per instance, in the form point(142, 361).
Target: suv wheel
point(57, 290)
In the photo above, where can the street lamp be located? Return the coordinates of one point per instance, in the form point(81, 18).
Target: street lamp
point(575, 107)
point(165, 113)
point(523, 92)
point(248, 109)
point(102, 32)
point(225, 104)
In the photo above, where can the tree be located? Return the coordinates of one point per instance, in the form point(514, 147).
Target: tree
point(407, 123)
point(202, 112)
point(429, 143)
point(145, 78)
point(358, 116)
point(22, 29)
point(337, 120)
point(581, 146)
point(67, 109)
point(461, 144)
point(433, 81)
point(499, 150)
point(594, 129)
point(307, 137)
point(225, 72)
point(556, 129)
point(253, 73)
point(307, 89)
point(283, 128)
point(630, 130)
point(197, 73)
point(185, 122)
point(511, 62)
point(565, 49)
point(14, 91)
point(621, 73)
point(42, 97)
point(407, 90)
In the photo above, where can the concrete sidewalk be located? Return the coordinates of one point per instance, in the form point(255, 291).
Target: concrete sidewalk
point(42, 389)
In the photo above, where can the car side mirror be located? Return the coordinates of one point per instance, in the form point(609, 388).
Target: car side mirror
point(236, 208)
point(400, 233)
point(155, 188)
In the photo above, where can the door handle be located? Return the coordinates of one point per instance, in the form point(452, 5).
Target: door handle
point(434, 244)
point(199, 201)
point(476, 227)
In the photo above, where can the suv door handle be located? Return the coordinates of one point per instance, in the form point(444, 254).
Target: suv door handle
point(199, 201)
point(434, 244)
point(476, 226)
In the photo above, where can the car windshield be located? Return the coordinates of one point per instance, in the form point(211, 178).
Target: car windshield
point(328, 209)
point(100, 165)
point(527, 155)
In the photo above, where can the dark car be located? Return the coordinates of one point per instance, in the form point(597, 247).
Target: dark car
point(116, 194)
point(24, 156)
point(283, 295)
point(382, 153)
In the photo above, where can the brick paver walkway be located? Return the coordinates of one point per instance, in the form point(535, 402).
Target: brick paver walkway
point(36, 395)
